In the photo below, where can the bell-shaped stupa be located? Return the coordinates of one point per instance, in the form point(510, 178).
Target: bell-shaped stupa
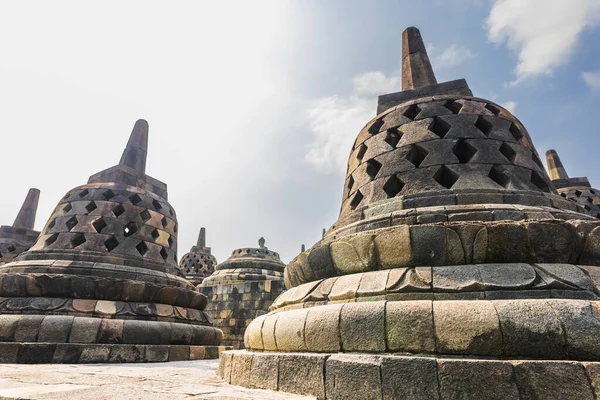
point(578, 189)
point(455, 270)
point(242, 288)
point(199, 263)
point(20, 236)
point(101, 283)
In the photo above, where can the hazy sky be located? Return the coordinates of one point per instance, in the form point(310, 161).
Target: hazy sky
point(253, 105)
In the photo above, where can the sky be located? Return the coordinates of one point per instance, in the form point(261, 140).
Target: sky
point(253, 106)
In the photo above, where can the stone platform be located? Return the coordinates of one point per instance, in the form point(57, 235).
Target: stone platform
point(154, 381)
point(384, 377)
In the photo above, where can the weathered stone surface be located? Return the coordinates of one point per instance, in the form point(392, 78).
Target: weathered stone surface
point(241, 366)
point(302, 374)
point(552, 380)
point(358, 318)
point(355, 254)
point(579, 320)
point(393, 247)
point(409, 378)
point(323, 328)
point(268, 332)
point(353, 377)
point(476, 379)
point(289, 330)
point(467, 327)
point(409, 326)
point(264, 371)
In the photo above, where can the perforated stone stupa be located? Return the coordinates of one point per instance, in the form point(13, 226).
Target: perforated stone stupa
point(101, 283)
point(20, 236)
point(199, 263)
point(578, 189)
point(242, 288)
point(455, 270)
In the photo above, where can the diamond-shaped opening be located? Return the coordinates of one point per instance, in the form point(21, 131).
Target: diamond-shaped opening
point(51, 239)
point(91, 206)
point(145, 215)
point(578, 193)
point(155, 234)
point(156, 205)
point(134, 199)
point(67, 208)
point(99, 224)
point(412, 112)
point(453, 106)
point(598, 215)
point(164, 222)
point(393, 186)
point(592, 191)
point(83, 193)
point(587, 207)
point(590, 200)
point(445, 177)
point(515, 131)
point(142, 248)
point(508, 152)
point(537, 160)
point(108, 194)
point(538, 181)
point(10, 248)
point(350, 183)
point(170, 241)
point(375, 126)
point(373, 167)
point(484, 125)
point(439, 127)
point(77, 240)
point(564, 195)
point(392, 137)
point(495, 110)
point(500, 176)
point(111, 243)
point(164, 254)
point(51, 224)
point(464, 151)
point(356, 200)
point(118, 210)
point(361, 152)
point(130, 229)
point(71, 223)
point(416, 155)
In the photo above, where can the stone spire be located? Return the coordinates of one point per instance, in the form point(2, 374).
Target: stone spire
point(134, 155)
point(26, 217)
point(416, 68)
point(555, 166)
point(202, 238)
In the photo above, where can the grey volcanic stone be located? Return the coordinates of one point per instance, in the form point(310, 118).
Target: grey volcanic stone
point(409, 378)
point(560, 380)
point(352, 377)
point(302, 374)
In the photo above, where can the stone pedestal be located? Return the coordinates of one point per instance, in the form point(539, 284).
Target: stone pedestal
point(101, 283)
point(241, 289)
point(455, 270)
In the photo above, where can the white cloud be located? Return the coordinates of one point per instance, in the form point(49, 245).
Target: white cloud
point(544, 33)
point(510, 106)
point(453, 56)
point(336, 120)
point(592, 79)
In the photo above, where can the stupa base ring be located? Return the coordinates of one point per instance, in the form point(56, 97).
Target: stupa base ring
point(78, 353)
point(366, 376)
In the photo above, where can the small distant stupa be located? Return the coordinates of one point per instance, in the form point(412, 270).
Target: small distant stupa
point(198, 263)
point(20, 236)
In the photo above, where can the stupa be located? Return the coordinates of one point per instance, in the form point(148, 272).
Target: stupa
point(578, 189)
point(101, 283)
point(455, 270)
point(242, 288)
point(199, 263)
point(20, 236)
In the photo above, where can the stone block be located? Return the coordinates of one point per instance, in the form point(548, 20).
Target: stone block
point(354, 254)
point(362, 326)
point(111, 331)
point(289, 330)
point(28, 328)
point(126, 353)
point(9, 352)
point(476, 379)
point(530, 328)
point(345, 287)
point(393, 247)
point(409, 326)
point(467, 327)
point(55, 329)
point(94, 354)
point(8, 326)
point(322, 332)
point(241, 366)
point(36, 353)
point(552, 380)
point(302, 373)
point(579, 319)
point(225, 361)
point(264, 371)
point(412, 378)
point(373, 283)
point(67, 353)
point(157, 353)
point(135, 332)
point(353, 377)
point(428, 244)
point(268, 332)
